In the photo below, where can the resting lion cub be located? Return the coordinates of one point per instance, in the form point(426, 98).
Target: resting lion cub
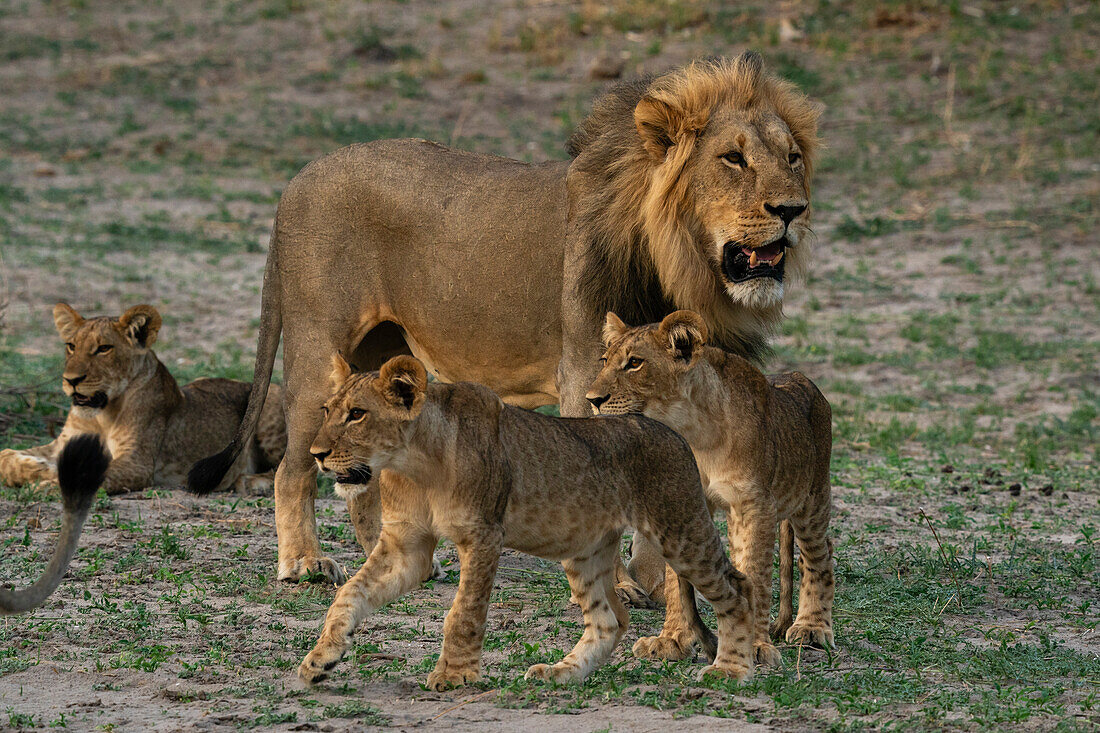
point(154, 430)
point(486, 475)
point(762, 445)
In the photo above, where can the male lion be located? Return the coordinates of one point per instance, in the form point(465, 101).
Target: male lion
point(154, 429)
point(463, 465)
point(762, 445)
point(80, 470)
point(686, 190)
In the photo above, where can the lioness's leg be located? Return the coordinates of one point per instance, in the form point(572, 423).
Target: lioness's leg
point(464, 628)
point(605, 617)
point(751, 528)
point(814, 623)
point(395, 567)
point(296, 480)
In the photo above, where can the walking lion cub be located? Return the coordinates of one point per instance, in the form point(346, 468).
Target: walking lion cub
point(762, 445)
point(457, 462)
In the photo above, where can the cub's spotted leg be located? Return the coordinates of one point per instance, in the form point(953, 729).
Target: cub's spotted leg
point(395, 567)
point(814, 623)
point(605, 617)
point(752, 539)
point(464, 628)
point(677, 638)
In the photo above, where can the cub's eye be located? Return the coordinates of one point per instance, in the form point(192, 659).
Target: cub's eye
point(104, 349)
point(734, 158)
point(70, 348)
point(634, 362)
point(355, 414)
point(793, 158)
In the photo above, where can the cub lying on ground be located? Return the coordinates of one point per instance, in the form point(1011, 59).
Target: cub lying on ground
point(463, 465)
point(762, 445)
point(154, 430)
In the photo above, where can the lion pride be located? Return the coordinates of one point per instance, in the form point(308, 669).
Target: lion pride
point(685, 190)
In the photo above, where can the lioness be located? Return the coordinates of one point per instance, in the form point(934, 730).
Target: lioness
point(80, 470)
point(463, 465)
point(686, 190)
point(762, 445)
point(154, 429)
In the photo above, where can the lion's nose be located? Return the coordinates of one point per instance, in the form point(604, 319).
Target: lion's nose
point(73, 381)
point(598, 400)
point(320, 455)
point(786, 213)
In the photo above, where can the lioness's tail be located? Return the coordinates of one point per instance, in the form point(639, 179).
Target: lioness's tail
point(786, 580)
point(206, 474)
point(703, 634)
point(80, 470)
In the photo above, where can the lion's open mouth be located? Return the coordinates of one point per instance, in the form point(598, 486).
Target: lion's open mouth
point(96, 401)
point(357, 475)
point(740, 264)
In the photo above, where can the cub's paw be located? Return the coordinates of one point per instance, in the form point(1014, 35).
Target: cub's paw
point(766, 654)
point(634, 595)
point(317, 664)
point(663, 647)
point(779, 627)
point(446, 676)
point(726, 671)
point(559, 672)
point(313, 569)
point(807, 634)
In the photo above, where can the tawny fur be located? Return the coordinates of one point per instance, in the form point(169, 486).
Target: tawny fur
point(153, 429)
point(457, 462)
point(498, 272)
point(762, 445)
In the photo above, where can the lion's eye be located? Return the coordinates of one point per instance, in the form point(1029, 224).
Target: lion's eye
point(793, 158)
point(70, 348)
point(634, 362)
point(104, 349)
point(355, 414)
point(734, 158)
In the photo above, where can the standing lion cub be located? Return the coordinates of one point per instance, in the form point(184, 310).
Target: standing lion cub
point(458, 463)
point(153, 429)
point(762, 445)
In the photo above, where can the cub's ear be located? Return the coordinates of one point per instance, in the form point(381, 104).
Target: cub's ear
point(613, 328)
point(403, 382)
point(341, 371)
point(66, 320)
point(140, 325)
point(685, 332)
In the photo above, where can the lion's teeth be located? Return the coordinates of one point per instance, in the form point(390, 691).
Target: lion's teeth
point(753, 259)
point(778, 257)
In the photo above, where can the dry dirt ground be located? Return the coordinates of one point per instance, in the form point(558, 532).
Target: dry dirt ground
point(953, 318)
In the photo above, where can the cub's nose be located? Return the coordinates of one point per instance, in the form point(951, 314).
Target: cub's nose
point(320, 455)
point(73, 381)
point(786, 213)
point(597, 400)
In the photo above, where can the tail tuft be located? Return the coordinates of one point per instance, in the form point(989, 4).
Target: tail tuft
point(81, 468)
point(207, 474)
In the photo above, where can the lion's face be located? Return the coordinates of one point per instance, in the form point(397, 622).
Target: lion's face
point(641, 369)
point(104, 355)
point(366, 419)
point(748, 182)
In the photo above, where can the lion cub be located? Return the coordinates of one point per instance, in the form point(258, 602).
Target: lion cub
point(153, 429)
point(762, 445)
point(461, 464)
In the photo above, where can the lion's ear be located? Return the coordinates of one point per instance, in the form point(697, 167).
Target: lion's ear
point(66, 320)
point(341, 371)
point(140, 325)
point(684, 331)
point(660, 125)
point(613, 328)
point(404, 382)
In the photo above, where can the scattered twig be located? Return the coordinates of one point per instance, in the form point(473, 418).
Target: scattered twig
point(943, 554)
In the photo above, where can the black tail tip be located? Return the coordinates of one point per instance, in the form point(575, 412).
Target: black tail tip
point(81, 468)
point(207, 474)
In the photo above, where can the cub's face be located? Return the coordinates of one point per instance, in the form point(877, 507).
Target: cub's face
point(103, 355)
point(642, 367)
point(366, 419)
